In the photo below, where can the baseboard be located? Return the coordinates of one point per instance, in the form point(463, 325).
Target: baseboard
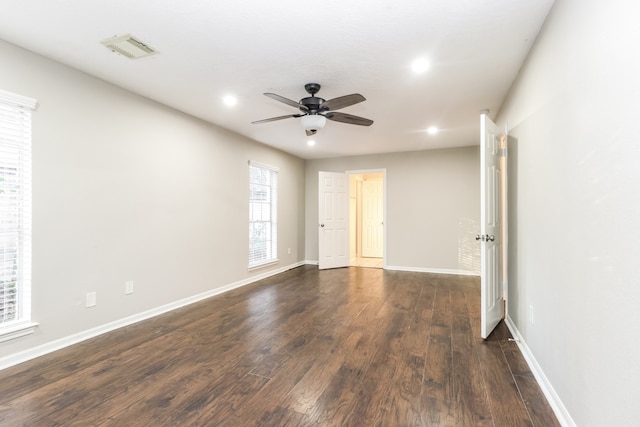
point(420, 270)
point(564, 418)
point(433, 270)
point(41, 350)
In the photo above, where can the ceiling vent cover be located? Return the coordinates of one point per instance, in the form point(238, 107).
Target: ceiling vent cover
point(129, 46)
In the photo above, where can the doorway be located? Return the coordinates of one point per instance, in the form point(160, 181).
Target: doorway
point(366, 218)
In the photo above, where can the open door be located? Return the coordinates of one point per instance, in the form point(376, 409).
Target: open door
point(333, 220)
point(492, 145)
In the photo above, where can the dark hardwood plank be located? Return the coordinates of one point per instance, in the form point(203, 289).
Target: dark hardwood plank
point(461, 318)
point(514, 359)
point(369, 407)
point(404, 400)
point(439, 413)
point(343, 390)
point(438, 375)
point(343, 347)
point(280, 417)
point(539, 410)
point(470, 393)
point(505, 402)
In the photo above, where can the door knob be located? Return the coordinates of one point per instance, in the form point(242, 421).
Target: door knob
point(321, 225)
point(486, 237)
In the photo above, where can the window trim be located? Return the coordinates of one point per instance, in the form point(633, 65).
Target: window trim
point(23, 325)
point(274, 206)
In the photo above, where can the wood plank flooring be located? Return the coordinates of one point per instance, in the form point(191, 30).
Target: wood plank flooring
point(344, 347)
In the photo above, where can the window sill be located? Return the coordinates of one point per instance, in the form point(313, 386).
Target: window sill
point(264, 264)
point(16, 331)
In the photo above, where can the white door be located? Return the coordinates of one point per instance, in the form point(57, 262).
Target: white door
point(491, 147)
point(333, 220)
point(372, 220)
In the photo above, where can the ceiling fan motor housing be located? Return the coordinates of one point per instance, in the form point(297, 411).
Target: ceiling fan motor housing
point(311, 104)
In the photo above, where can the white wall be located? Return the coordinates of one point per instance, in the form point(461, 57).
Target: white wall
point(575, 207)
point(433, 206)
point(127, 189)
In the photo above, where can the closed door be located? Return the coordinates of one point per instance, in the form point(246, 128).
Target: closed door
point(333, 220)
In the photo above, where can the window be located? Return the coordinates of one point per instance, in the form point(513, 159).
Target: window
point(263, 214)
point(15, 215)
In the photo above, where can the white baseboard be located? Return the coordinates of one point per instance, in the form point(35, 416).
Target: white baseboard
point(420, 270)
point(564, 418)
point(41, 350)
point(433, 270)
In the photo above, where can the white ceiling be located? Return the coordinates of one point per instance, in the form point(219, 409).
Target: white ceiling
point(209, 49)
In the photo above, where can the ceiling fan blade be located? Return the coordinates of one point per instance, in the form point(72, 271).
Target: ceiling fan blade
point(311, 132)
point(348, 118)
point(283, 99)
point(273, 119)
point(342, 101)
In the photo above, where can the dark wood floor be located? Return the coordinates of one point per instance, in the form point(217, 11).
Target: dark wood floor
point(344, 347)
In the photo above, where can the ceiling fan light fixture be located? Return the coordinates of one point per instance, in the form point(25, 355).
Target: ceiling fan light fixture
point(312, 122)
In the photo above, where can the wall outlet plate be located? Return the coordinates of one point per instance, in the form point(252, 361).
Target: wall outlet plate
point(91, 299)
point(128, 287)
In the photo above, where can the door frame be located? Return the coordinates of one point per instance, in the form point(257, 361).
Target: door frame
point(504, 201)
point(382, 171)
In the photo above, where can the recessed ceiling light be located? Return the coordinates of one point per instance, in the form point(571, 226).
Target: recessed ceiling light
point(432, 130)
point(420, 65)
point(311, 143)
point(230, 100)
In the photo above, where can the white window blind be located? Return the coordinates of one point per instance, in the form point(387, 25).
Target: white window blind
point(15, 215)
point(263, 214)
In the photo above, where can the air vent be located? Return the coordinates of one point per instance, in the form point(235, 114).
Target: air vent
point(129, 46)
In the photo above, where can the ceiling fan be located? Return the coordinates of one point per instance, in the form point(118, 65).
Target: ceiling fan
point(315, 111)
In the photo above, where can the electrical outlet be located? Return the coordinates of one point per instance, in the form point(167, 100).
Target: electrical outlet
point(289, 251)
point(531, 314)
point(128, 287)
point(91, 299)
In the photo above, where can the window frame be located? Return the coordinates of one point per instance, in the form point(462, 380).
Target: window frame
point(258, 258)
point(16, 145)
